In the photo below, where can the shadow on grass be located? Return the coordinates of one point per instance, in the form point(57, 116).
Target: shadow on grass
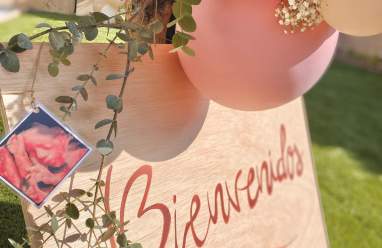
point(12, 223)
point(345, 110)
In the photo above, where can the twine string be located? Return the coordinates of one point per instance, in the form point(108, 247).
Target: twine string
point(34, 79)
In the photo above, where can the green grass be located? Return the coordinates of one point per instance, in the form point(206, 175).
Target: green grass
point(26, 24)
point(345, 118)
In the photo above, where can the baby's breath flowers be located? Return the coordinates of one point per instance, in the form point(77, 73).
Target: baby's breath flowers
point(298, 15)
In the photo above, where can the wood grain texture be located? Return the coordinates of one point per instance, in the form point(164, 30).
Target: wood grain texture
point(191, 145)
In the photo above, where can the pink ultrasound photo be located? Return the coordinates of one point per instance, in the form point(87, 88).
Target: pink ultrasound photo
point(38, 154)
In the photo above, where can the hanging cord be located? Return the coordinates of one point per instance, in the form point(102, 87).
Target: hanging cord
point(35, 71)
point(75, 7)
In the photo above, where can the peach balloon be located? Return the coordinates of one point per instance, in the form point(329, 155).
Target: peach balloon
point(355, 17)
point(245, 61)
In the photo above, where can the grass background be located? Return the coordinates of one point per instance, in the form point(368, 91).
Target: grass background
point(344, 112)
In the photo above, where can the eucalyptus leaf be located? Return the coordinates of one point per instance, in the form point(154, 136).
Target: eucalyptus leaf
point(65, 61)
point(122, 240)
point(133, 49)
point(179, 40)
point(189, 51)
point(83, 77)
point(43, 25)
point(114, 76)
point(24, 42)
point(103, 123)
point(53, 69)
point(68, 49)
point(56, 40)
point(88, 25)
point(100, 17)
point(19, 43)
point(64, 99)
point(187, 23)
point(77, 87)
point(91, 33)
point(89, 223)
point(114, 103)
point(156, 26)
point(123, 36)
point(108, 219)
point(180, 9)
point(77, 193)
point(105, 147)
point(185, 35)
point(72, 27)
point(10, 61)
point(72, 238)
point(60, 197)
point(84, 93)
point(176, 49)
point(143, 48)
point(72, 211)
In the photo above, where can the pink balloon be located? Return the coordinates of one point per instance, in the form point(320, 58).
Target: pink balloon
point(245, 61)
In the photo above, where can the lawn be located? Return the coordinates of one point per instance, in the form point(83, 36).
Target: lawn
point(345, 119)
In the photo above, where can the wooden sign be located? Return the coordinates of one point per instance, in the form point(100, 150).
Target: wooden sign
point(186, 171)
point(57, 6)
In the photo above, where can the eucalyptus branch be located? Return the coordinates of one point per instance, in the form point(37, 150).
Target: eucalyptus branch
point(139, 37)
point(106, 143)
point(81, 89)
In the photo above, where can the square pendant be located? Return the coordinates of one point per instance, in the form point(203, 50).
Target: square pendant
point(38, 154)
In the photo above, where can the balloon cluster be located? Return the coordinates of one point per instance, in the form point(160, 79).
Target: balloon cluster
point(245, 61)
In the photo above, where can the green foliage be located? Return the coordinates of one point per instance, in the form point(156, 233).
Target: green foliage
point(114, 103)
point(182, 10)
point(105, 147)
point(72, 211)
point(9, 60)
point(134, 40)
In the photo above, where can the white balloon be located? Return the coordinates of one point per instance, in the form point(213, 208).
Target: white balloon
point(354, 17)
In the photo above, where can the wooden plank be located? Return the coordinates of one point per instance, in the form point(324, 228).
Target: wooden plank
point(190, 148)
point(58, 6)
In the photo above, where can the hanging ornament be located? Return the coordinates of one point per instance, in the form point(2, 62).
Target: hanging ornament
point(298, 15)
point(356, 17)
point(245, 61)
point(39, 153)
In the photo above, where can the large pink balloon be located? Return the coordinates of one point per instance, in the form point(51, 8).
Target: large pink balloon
point(245, 61)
